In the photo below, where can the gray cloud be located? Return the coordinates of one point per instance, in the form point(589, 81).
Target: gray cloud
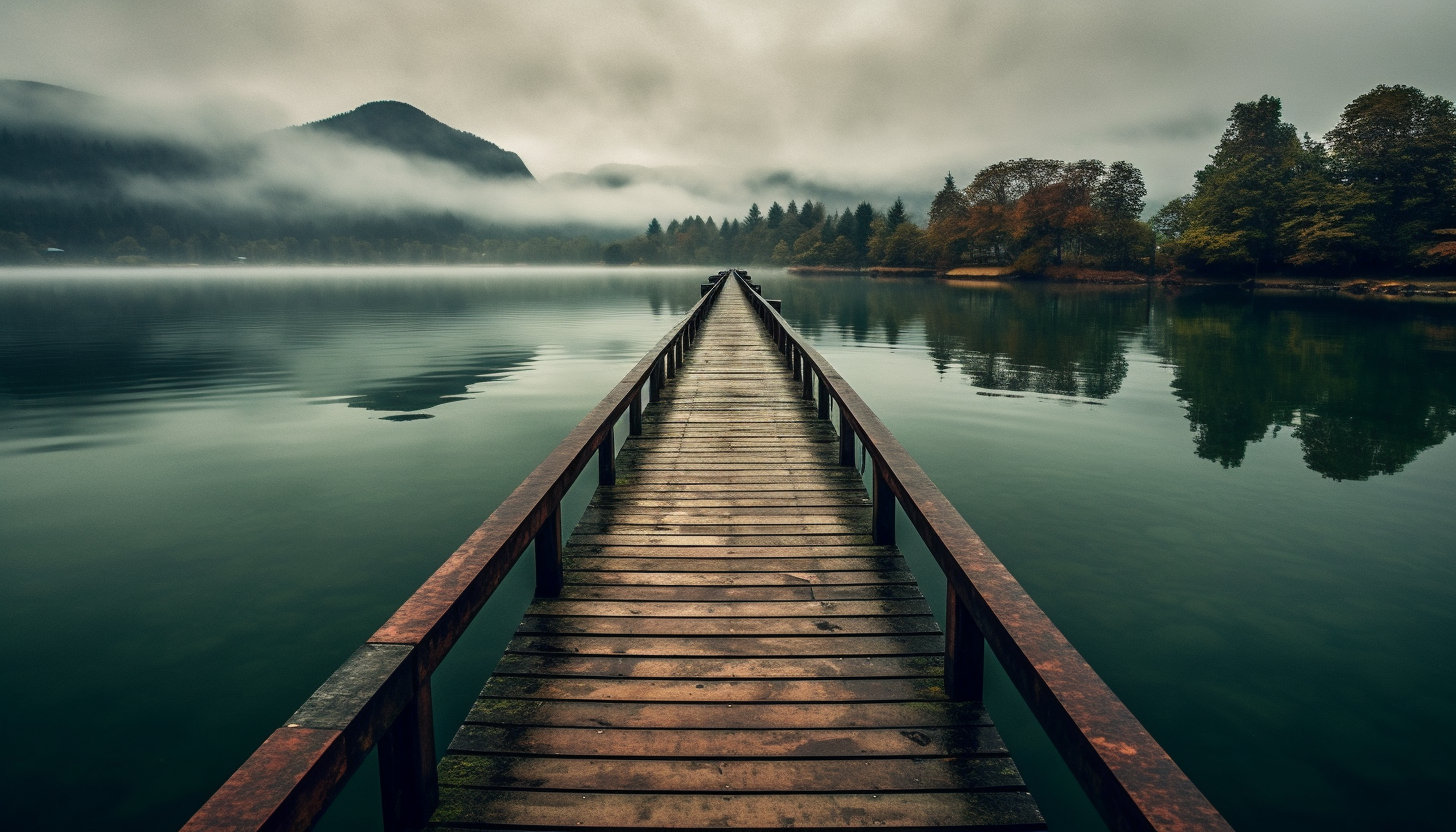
point(874, 95)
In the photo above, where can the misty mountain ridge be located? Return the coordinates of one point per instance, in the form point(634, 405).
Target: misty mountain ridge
point(404, 129)
point(52, 134)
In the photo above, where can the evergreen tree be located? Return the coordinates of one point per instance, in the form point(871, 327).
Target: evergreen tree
point(864, 217)
point(949, 204)
point(775, 215)
point(654, 228)
point(895, 215)
point(754, 217)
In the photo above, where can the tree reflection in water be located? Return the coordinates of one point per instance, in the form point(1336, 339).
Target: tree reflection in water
point(1363, 385)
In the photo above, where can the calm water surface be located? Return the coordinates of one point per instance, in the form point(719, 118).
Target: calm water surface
point(217, 483)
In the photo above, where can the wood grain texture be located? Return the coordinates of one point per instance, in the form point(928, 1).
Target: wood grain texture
point(729, 648)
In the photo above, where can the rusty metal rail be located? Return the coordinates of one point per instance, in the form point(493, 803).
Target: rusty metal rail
point(1130, 779)
point(380, 696)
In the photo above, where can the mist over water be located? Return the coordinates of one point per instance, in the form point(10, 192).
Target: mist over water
point(219, 482)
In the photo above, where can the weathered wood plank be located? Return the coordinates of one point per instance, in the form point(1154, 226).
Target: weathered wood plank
point(731, 776)
point(582, 579)
point(645, 626)
point(563, 810)
point(801, 592)
point(716, 690)
point(668, 715)
point(799, 646)
point(719, 743)
point(720, 667)
point(678, 563)
point(727, 609)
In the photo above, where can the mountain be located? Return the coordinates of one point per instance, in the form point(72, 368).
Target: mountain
point(59, 137)
point(401, 128)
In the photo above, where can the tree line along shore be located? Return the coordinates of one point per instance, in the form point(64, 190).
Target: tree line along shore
point(1375, 197)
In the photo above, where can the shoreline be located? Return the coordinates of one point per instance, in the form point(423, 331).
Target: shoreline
point(1392, 287)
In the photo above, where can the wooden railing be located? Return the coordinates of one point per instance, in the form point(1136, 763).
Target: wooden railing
point(1129, 778)
point(380, 696)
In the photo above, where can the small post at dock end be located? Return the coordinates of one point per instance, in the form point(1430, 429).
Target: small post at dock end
point(965, 652)
point(882, 509)
point(408, 786)
point(607, 458)
point(549, 575)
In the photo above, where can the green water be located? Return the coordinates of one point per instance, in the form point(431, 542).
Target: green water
point(214, 484)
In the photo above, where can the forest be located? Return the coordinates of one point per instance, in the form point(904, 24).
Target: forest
point(1376, 195)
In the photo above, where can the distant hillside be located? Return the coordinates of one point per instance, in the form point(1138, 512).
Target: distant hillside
point(60, 137)
point(396, 126)
point(87, 173)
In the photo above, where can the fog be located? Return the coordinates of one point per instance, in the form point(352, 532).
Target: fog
point(725, 102)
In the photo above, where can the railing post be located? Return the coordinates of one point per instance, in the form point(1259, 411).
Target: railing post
point(796, 358)
point(882, 511)
point(965, 652)
point(407, 783)
point(823, 398)
point(654, 382)
point(549, 574)
point(634, 415)
point(808, 378)
point(607, 458)
point(670, 364)
point(846, 438)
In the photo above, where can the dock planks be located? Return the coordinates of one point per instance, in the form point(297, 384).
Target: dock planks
point(730, 648)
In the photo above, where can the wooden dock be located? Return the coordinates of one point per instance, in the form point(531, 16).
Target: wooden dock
point(730, 648)
point(728, 639)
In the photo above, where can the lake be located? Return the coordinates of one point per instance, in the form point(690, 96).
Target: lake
point(218, 482)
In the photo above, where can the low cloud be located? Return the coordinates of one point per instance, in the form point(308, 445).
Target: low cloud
point(873, 97)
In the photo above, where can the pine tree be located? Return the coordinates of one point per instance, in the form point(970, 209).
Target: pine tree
point(895, 216)
point(754, 217)
point(775, 215)
point(950, 204)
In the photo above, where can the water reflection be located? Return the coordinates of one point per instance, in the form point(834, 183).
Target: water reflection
point(422, 391)
point(1363, 386)
point(1061, 341)
point(80, 350)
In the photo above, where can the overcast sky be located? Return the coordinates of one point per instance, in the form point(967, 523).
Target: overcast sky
point(886, 94)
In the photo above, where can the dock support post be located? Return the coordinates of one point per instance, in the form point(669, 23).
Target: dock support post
point(965, 652)
point(823, 398)
point(634, 415)
point(607, 458)
point(882, 510)
point(549, 575)
point(407, 784)
point(846, 439)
